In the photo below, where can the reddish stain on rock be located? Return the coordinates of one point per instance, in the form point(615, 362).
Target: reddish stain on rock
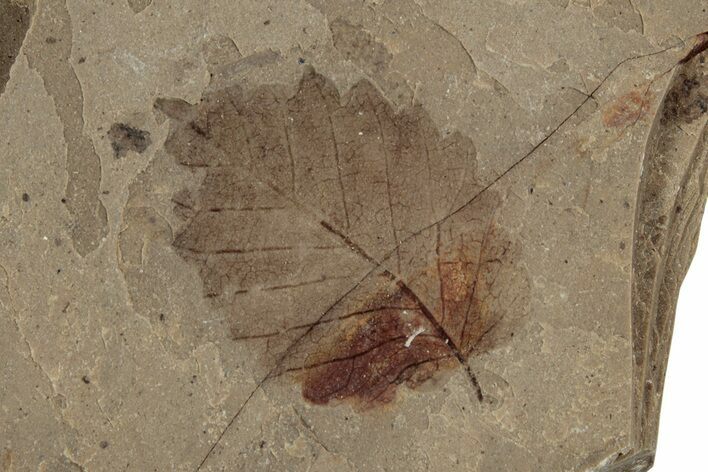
point(627, 109)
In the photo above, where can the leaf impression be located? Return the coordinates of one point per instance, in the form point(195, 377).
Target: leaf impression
point(324, 224)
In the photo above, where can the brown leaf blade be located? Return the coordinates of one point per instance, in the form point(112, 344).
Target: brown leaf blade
point(309, 195)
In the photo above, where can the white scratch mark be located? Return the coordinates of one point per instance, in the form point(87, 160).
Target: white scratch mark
point(133, 62)
point(413, 335)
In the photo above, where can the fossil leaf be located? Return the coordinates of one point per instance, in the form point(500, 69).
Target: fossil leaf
point(330, 227)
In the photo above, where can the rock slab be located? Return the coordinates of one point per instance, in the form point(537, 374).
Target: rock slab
point(332, 235)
